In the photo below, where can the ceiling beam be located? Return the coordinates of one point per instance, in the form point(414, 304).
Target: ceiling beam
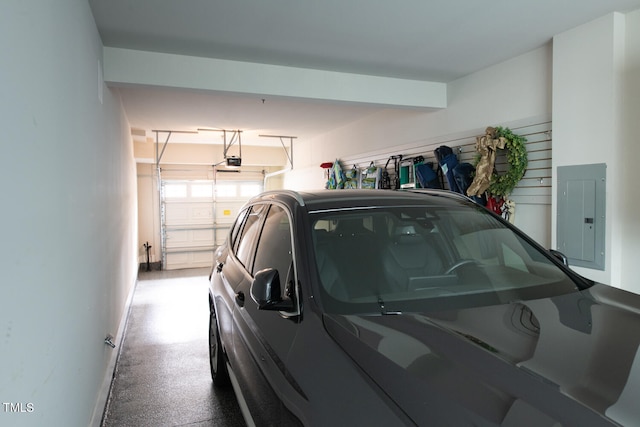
point(134, 67)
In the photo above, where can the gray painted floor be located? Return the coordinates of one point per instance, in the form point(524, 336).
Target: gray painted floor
point(162, 375)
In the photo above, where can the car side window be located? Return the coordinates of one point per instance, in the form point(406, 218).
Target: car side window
point(274, 248)
point(236, 227)
point(246, 242)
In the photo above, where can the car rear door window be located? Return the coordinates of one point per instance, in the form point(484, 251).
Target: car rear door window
point(274, 249)
point(246, 242)
point(235, 229)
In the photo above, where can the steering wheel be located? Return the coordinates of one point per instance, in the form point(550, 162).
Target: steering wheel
point(459, 264)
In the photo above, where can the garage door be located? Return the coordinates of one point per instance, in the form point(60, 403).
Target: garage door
point(196, 216)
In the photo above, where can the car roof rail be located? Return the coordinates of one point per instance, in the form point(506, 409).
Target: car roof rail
point(293, 194)
point(436, 191)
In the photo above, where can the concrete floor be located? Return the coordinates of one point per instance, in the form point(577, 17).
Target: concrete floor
point(162, 376)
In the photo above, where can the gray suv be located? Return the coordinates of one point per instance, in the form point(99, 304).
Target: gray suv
point(382, 307)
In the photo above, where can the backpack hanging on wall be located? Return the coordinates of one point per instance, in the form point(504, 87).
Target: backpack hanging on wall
point(463, 174)
point(370, 177)
point(338, 175)
point(447, 161)
point(351, 178)
point(427, 177)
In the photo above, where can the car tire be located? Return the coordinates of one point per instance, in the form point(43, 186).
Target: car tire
point(219, 373)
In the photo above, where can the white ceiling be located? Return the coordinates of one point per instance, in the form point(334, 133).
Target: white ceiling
point(431, 40)
point(174, 109)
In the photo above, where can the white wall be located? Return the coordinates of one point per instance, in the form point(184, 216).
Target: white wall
point(68, 253)
point(630, 189)
point(148, 213)
point(511, 91)
point(588, 80)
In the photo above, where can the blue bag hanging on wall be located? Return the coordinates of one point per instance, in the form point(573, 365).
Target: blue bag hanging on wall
point(447, 161)
point(427, 177)
point(463, 174)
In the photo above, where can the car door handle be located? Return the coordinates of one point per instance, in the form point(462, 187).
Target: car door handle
point(219, 267)
point(240, 299)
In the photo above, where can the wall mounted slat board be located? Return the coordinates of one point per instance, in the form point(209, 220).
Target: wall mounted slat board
point(535, 186)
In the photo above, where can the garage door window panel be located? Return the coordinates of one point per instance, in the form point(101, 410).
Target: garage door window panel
point(175, 191)
point(202, 190)
point(250, 190)
point(227, 190)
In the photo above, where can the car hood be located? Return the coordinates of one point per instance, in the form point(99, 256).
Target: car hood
point(571, 359)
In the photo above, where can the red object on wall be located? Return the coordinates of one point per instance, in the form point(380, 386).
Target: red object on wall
point(495, 205)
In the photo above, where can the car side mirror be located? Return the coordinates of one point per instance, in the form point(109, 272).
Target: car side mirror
point(267, 292)
point(559, 256)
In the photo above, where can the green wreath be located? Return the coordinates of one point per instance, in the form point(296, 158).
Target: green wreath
point(503, 185)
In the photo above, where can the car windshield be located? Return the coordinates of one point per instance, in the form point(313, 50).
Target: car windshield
point(426, 258)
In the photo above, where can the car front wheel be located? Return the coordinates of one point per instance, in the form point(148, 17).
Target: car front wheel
point(219, 373)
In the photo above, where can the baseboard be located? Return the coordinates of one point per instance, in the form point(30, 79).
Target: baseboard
point(105, 390)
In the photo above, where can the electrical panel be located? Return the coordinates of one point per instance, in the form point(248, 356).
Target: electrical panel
point(581, 214)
